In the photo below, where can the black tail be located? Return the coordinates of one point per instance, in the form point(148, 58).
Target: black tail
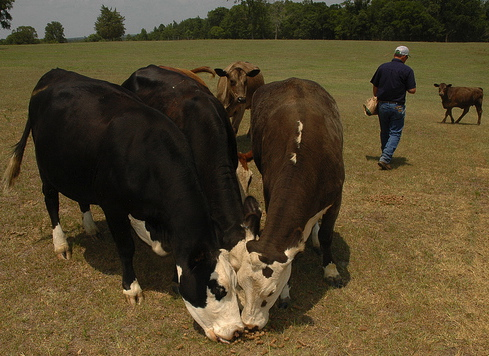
point(13, 168)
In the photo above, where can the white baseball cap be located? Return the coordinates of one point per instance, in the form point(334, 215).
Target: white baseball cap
point(402, 51)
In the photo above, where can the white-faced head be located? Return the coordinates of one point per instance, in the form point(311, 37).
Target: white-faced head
point(261, 279)
point(209, 291)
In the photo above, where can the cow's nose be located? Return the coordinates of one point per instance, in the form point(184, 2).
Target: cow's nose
point(241, 99)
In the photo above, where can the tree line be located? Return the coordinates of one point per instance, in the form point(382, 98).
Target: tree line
point(389, 20)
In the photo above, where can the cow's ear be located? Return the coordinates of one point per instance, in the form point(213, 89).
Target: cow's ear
point(220, 72)
point(436, 85)
point(449, 85)
point(253, 73)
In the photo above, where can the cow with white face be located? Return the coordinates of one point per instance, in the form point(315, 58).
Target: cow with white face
point(297, 145)
point(97, 143)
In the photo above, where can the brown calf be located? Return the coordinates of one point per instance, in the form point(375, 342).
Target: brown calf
point(460, 97)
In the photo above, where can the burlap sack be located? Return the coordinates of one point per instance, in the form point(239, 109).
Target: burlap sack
point(370, 106)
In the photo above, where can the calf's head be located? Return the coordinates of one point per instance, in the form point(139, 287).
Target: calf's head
point(237, 80)
point(442, 88)
point(208, 287)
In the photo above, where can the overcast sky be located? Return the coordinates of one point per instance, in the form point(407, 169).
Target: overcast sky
point(78, 16)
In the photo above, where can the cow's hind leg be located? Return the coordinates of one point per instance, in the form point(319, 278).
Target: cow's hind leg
point(466, 110)
point(87, 221)
point(325, 237)
point(51, 199)
point(120, 229)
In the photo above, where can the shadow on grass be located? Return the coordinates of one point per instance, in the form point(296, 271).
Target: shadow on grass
point(153, 272)
point(308, 286)
point(459, 123)
point(395, 163)
point(156, 273)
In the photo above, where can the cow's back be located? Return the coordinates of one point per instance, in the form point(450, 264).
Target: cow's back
point(88, 133)
point(296, 135)
point(463, 96)
point(203, 120)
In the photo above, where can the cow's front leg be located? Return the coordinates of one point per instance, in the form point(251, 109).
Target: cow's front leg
point(325, 237)
point(120, 229)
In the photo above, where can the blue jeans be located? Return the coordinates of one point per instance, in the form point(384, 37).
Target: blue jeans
point(391, 119)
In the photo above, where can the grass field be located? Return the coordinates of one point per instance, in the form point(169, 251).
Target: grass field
point(412, 242)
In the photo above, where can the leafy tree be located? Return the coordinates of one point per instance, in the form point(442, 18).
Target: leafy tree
point(23, 35)
point(93, 38)
point(54, 33)
point(235, 24)
point(217, 32)
point(277, 17)
point(5, 17)
point(215, 17)
point(404, 20)
point(110, 24)
point(463, 20)
point(194, 28)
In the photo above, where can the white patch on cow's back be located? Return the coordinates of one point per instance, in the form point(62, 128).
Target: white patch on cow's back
point(139, 227)
point(293, 157)
point(298, 139)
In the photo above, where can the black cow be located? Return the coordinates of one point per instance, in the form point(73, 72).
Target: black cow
point(460, 97)
point(205, 124)
point(97, 143)
point(297, 143)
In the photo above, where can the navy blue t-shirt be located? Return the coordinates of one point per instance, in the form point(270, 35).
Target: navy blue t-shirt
point(393, 79)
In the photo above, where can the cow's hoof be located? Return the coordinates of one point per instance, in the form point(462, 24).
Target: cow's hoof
point(335, 282)
point(134, 296)
point(63, 252)
point(134, 300)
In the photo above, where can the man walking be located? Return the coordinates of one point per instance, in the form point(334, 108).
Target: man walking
point(390, 83)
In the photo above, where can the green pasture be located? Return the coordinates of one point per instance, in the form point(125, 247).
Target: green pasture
point(411, 242)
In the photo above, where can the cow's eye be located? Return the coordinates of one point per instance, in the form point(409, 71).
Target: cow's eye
point(216, 289)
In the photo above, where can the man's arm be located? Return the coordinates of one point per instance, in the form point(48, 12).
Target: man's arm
point(375, 89)
point(412, 91)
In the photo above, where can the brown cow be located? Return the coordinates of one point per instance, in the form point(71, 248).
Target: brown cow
point(235, 88)
point(191, 72)
point(460, 97)
point(297, 143)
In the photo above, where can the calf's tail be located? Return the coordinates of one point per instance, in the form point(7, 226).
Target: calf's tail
point(13, 167)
